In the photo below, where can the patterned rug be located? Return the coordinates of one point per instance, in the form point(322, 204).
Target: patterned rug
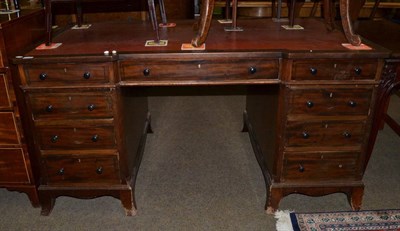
point(375, 220)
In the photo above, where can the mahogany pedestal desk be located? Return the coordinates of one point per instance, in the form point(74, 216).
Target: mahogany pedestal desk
point(309, 105)
point(16, 36)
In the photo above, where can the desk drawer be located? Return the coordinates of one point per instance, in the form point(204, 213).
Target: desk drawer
point(76, 137)
point(13, 166)
point(71, 105)
point(321, 166)
point(334, 69)
point(64, 74)
point(324, 133)
point(329, 101)
point(86, 170)
point(229, 69)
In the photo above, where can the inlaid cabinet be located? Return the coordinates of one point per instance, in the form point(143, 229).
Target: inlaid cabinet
point(17, 35)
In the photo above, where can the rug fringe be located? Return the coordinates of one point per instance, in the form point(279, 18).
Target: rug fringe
point(283, 222)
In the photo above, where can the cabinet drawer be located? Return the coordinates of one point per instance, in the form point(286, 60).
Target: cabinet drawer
point(324, 133)
point(334, 69)
point(71, 105)
point(12, 166)
point(330, 101)
point(76, 137)
point(85, 170)
point(68, 74)
point(8, 129)
point(4, 97)
point(321, 166)
point(229, 69)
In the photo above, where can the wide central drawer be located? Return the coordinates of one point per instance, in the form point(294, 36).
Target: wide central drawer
point(197, 69)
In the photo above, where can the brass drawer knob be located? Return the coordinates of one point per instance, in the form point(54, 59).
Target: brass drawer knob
point(313, 70)
point(252, 70)
point(146, 72)
point(49, 108)
point(42, 76)
point(86, 75)
point(54, 139)
point(99, 170)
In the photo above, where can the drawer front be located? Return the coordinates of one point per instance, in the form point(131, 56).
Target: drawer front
point(330, 101)
point(4, 97)
point(232, 69)
point(76, 137)
point(12, 166)
point(334, 70)
point(67, 74)
point(8, 129)
point(66, 169)
point(321, 166)
point(324, 133)
point(71, 105)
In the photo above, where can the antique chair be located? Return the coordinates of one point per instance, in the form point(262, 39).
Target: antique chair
point(48, 11)
point(207, 8)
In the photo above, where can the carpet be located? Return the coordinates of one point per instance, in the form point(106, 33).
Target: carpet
point(374, 220)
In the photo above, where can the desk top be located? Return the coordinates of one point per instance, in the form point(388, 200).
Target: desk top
point(259, 35)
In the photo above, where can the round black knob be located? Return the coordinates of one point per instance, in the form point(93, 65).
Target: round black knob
point(306, 135)
point(310, 104)
point(61, 171)
point(146, 72)
point(91, 107)
point(313, 71)
point(86, 75)
point(49, 108)
point(95, 138)
point(42, 76)
point(54, 139)
point(347, 134)
point(252, 70)
point(301, 168)
point(99, 170)
point(352, 103)
point(358, 70)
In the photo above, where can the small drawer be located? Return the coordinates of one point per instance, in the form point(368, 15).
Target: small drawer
point(8, 129)
point(4, 97)
point(13, 166)
point(321, 166)
point(324, 133)
point(64, 74)
point(199, 70)
point(329, 101)
point(71, 105)
point(76, 137)
point(60, 170)
point(334, 69)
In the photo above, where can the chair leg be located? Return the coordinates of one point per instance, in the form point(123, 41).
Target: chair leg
point(314, 8)
point(292, 6)
point(79, 12)
point(205, 21)
point(353, 38)
point(153, 18)
point(227, 9)
point(374, 9)
point(48, 21)
point(162, 12)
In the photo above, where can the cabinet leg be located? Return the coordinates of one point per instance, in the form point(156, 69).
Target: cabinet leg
point(274, 196)
point(47, 202)
point(128, 201)
point(355, 198)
